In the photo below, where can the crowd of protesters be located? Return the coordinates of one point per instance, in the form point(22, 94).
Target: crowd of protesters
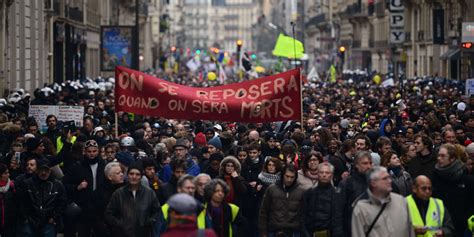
point(365, 160)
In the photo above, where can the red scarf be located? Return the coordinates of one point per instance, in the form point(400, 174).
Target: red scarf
point(230, 195)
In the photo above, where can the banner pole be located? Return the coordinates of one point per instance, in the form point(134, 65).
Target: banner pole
point(301, 98)
point(294, 44)
point(116, 125)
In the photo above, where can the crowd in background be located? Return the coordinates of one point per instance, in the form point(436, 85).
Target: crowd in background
point(294, 178)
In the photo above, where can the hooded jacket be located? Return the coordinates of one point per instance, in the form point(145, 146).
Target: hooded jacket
point(282, 208)
point(237, 185)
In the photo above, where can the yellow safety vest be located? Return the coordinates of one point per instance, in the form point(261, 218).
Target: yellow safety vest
point(202, 217)
point(434, 215)
point(60, 144)
point(165, 209)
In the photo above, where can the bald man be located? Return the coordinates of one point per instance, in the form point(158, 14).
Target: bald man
point(429, 216)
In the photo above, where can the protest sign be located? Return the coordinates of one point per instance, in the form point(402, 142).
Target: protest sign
point(63, 113)
point(272, 98)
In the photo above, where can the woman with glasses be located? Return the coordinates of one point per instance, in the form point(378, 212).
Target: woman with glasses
point(230, 172)
point(308, 174)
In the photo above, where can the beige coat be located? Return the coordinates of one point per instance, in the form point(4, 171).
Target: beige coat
point(393, 222)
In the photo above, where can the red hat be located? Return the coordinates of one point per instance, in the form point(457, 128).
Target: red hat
point(405, 115)
point(200, 139)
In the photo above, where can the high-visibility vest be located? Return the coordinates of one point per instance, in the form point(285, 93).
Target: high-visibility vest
point(202, 217)
point(165, 209)
point(434, 215)
point(60, 144)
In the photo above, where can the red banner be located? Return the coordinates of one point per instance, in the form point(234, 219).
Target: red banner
point(272, 98)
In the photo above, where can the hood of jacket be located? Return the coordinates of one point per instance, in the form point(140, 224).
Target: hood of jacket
point(227, 159)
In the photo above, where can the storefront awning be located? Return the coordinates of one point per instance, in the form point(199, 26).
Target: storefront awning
point(451, 54)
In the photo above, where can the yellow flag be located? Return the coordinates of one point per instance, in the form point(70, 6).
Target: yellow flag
point(285, 47)
point(332, 70)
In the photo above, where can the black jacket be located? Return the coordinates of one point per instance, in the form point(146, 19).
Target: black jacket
point(85, 198)
point(422, 165)
point(8, 213)
point(339, 161)
point(456, 189)
point(351, 188)
point(322, 210)
point(133, 217)
point(167, 190)
point(42, 200)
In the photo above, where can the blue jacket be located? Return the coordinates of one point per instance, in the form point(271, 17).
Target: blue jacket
point(193, 169)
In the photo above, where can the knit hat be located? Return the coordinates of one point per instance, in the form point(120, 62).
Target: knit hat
point(33, 143)
point(216, 142)
point(124, 158)
point(200, 139)
point(183, 203)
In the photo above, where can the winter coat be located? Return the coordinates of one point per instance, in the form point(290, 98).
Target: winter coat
point(305, 181)
point(456, 189)
point(42, 200)
point(167, 190)
point(394, 220)
point(237, 185)
point(351, 188)
point(281, 209)
point(133, 217)
point(322, 210)
point(85, 198)
point(8, 204)
point(193, 169)
point(402, 181)
point(341, 164)
point(422, 165)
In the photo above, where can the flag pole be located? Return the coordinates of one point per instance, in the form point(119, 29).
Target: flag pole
point(116, 125)
point(294, 44)
point(301, 98)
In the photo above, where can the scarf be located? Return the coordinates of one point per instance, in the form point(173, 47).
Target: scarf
point(4, 186)
point(452, 172)
point(268, 178)
point(395, 171)
point(311, 175)
point(230, 195)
